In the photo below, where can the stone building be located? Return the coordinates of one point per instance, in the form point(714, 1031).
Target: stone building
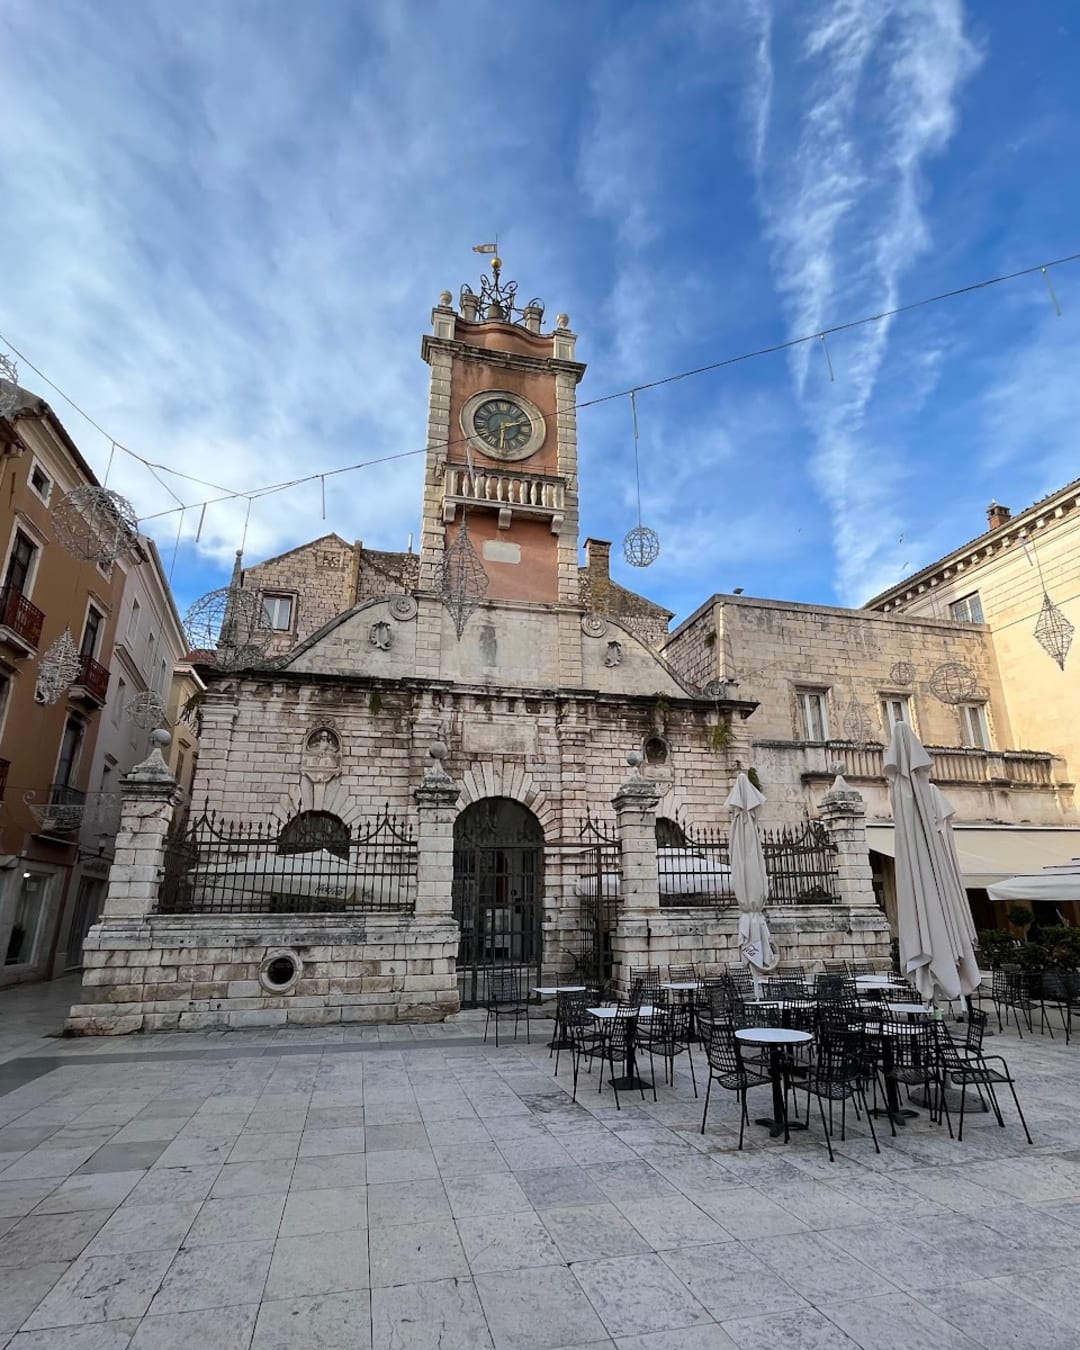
point(527, 674)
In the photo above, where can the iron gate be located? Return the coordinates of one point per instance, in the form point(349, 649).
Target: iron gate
point(598, 892)
point(498, 893)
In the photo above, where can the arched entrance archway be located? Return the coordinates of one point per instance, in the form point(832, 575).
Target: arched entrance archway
point(498, 891)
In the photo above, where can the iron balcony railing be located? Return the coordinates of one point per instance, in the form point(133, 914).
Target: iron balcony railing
point(5, 765)
point(18, 614)
point(93, 677)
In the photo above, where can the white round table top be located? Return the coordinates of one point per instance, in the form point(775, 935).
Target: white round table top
point(683, 984)
point(644, 1011)
point(909, 1008)
point(885, 980)
point(773, 1036)
point(549, 989)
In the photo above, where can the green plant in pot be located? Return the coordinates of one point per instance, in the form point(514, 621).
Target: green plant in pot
point(998, 948)
point(1020, 916)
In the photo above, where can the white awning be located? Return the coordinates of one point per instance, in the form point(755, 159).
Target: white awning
point(990, 853)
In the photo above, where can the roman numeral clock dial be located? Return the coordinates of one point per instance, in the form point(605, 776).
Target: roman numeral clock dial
point(502, 426)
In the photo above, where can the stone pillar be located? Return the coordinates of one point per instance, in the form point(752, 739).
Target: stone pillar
point(436, 798)
point(635, 822)
point(843, 813)
point(642, 935)
point(149, 798)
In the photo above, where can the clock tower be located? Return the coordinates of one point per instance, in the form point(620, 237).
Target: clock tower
point(502, 444)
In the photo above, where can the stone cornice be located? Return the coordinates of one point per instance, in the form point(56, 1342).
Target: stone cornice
point(539, 365)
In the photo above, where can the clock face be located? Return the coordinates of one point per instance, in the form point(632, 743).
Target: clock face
point(504, 427)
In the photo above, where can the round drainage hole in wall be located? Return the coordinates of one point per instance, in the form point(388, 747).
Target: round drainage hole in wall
point(281, 970)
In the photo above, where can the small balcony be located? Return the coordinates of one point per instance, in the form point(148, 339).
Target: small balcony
point(508, 491)
point(5, 765)
point(62, 811)
point(20, 623)
point(92, 682)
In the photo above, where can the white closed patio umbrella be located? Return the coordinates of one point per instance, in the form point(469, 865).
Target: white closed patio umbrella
point(749, 880)
point(319, 874)
point(932, 912)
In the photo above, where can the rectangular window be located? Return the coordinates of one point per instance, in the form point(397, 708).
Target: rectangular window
point(162, 672)
point(151, 642)
point(813, 714)
point(895, 708)
point(119, 698)
point(91, 632)
point(20, 564)
point(181, 765)
point(40, 482)
point(968, 609)
point(133, 619)
point(278, 610)
point(69, 752)
point(973, 725)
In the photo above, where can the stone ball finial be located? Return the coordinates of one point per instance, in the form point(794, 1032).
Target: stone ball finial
point(161, 738)
point(445, 298)
point(635, 759)
point(562, 321)
point(438, 751)
point(837, 767)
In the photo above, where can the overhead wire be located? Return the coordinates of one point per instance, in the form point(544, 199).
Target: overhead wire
point(788, 344)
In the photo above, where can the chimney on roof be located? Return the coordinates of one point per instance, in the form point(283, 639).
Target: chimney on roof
point(598, 568)
point(997, 515)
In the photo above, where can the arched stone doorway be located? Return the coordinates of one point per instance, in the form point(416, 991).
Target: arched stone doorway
point(498, 891)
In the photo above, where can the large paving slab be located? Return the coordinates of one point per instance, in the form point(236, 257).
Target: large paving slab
point(409, 1186)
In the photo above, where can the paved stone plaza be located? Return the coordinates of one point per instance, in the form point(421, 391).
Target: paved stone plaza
point(406, 1187)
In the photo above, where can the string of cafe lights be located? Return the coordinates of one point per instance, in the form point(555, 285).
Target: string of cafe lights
point(818, 336)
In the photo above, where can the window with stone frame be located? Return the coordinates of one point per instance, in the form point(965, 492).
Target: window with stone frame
point(974, 727)
point(813, 705)
point(895, 708)
point(278, 609)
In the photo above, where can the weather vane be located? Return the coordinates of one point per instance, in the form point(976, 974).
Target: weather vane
point(498, 299)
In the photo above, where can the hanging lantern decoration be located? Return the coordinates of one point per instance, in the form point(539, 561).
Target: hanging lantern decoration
point(9, 386)
point(641, 547)
point(230, 627)
point(461, 582)
point(95, 524)
point(147, 710)
point(857, 724)
point(1053, 631)
point(58, 669)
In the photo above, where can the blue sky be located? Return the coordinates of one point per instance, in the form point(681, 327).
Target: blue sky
point(224, 228)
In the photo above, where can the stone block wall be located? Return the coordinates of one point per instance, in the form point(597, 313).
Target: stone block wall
point(806, 934)
point(169, 974)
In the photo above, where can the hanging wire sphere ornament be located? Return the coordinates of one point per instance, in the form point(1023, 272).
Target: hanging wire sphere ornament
point(1053, 631)
point(95, 524)
point(953, 682)
point(147, 710)
point(9, 386)
point(230, 627)
point(461, 580)
point(902, 673)
point(641, 547)
point(58, 669)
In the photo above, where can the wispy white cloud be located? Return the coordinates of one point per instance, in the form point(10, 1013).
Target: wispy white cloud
point(845, 216)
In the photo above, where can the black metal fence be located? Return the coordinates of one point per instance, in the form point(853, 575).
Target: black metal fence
point(800, 862)
point(220, 867)
point(694, 866)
